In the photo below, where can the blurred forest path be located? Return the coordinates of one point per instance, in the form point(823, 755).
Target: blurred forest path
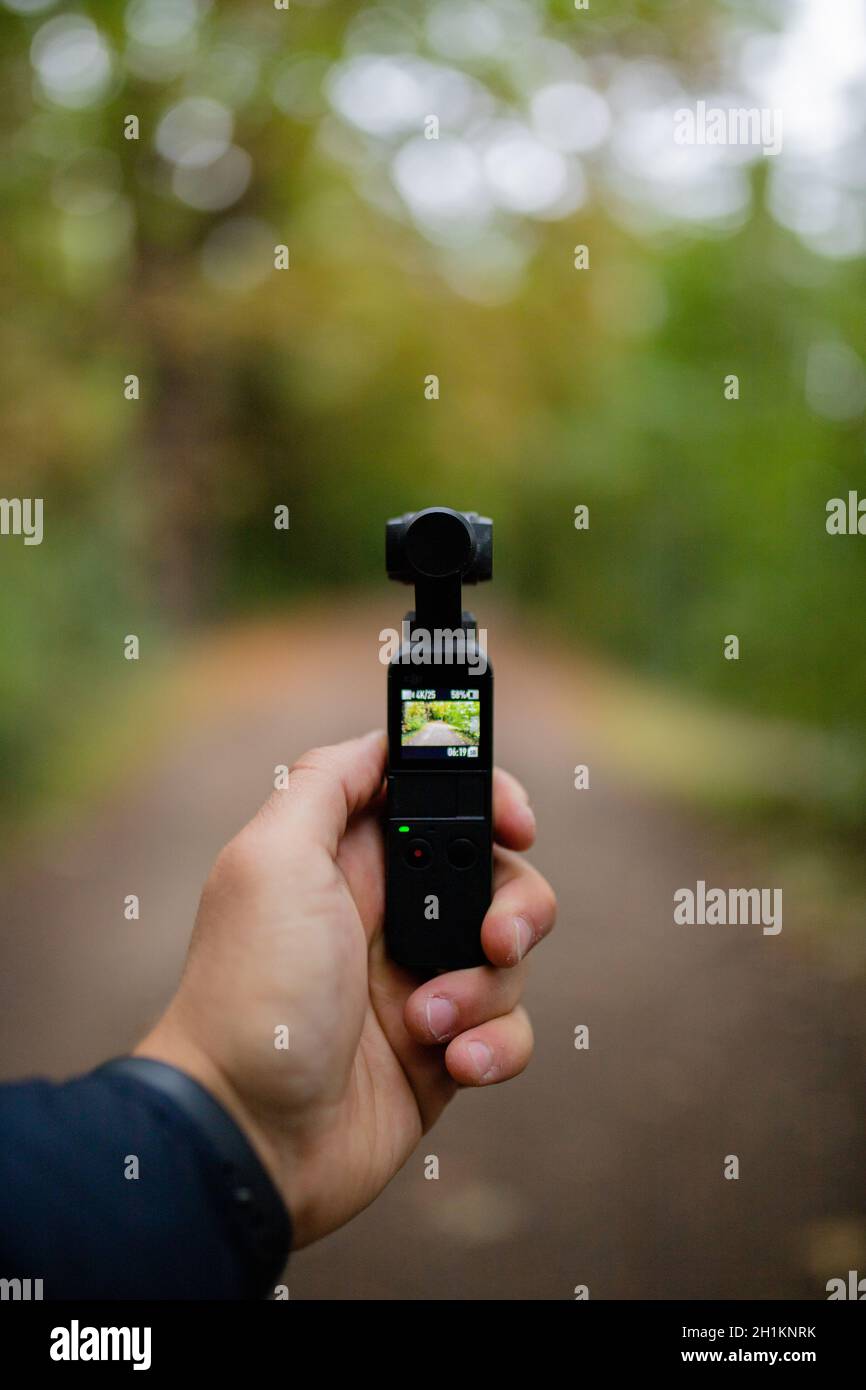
point(601, 1167)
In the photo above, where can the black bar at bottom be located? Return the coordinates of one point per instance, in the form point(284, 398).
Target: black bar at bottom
point(257, 1339)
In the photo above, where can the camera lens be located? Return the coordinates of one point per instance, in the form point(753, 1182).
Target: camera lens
point(439, 542)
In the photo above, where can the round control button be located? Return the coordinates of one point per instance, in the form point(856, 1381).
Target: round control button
point(462, 854)
point(419, 853)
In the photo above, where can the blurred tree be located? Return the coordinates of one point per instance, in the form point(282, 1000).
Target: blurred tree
point(411, 256)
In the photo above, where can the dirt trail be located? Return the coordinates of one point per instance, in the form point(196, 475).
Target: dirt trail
point(601, 1167)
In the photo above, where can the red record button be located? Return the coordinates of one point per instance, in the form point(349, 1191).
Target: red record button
point(419, 853)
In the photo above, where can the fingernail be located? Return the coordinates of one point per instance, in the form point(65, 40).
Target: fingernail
point(523, 937)
point(482, 1059)
point(441, 1016)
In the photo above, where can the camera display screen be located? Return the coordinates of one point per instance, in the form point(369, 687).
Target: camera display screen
point(440, 723)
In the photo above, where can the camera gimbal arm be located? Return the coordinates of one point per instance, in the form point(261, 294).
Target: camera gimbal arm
point(438, 550)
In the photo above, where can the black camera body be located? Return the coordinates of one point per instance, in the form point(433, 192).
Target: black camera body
point(439, 818)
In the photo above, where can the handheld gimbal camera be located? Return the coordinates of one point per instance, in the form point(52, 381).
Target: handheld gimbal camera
point(439, 831)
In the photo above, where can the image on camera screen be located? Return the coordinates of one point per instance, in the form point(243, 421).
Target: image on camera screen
point(440, 723)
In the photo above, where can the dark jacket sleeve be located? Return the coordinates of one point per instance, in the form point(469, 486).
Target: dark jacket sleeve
point(108, 1189)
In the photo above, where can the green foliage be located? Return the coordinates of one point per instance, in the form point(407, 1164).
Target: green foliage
point(461, 715)
point(415, 716)
point(306, 387)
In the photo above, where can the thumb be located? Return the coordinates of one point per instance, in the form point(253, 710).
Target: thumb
point(328, 785)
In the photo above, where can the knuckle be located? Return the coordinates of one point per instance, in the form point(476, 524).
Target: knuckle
point(316, 760)
point(317, 771)
point(238, 863)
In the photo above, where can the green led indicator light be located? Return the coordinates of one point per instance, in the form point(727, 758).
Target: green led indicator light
point(403, 829)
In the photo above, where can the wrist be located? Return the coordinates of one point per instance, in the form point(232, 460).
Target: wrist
point(169, 1044)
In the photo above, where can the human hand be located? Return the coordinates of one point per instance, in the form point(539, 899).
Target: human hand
point(289, 934)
